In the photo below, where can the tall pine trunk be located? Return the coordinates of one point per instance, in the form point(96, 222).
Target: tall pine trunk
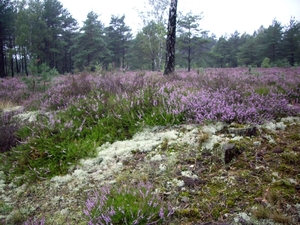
point(171, 39)
point(2, 59)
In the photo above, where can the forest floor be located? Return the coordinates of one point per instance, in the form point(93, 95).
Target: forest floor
point(215, 173)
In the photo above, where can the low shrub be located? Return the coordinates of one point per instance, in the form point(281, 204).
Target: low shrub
point(9, 125)
point(127, 204)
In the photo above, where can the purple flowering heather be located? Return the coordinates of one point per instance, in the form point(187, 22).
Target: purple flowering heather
point(126, 205)
point(13, 89)
point(35, 221)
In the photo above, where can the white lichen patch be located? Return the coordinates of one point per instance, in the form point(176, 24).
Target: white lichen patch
point(189, 174)
point(273, 126)
point(209, 144)
point(29, 116)
point(157, 157)
point(62, 179)
point(140, 158)
point(16, 108)
point(176, 182)
point(291, 119)
point(190, 137)
point(213, 128)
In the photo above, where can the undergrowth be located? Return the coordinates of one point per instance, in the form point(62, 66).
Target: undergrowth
point(77, 114)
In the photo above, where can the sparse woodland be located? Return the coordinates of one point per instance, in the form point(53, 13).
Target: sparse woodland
point(92, 131)
point(35, 33)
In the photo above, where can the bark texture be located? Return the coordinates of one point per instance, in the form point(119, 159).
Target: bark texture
point(171, 39)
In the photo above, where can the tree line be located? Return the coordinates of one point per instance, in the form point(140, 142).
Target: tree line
point(35, 34)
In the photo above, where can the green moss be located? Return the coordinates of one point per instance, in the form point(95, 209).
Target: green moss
point(285, 168)
point(164, 145)
point(283, 190)
point(16, 217)
point(291, 158)
point(191, 213)
point(4, 208)
point(237, 125)
point(216, 145)
point(230, 203)
point(185, 194)
point(295, 136)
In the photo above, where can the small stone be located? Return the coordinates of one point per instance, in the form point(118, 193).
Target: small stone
point(246, 131)
point(296, 149)
point(256, 143)
point(278, 150)
point(191, 182)
point(185, 199)
point(231, 151)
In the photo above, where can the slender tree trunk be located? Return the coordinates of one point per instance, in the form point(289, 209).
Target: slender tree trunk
point(171, 39)
point(12, 66)
point(153, 64)
point(17, 64)
point(189, 58)
point(5, 65)
point(2, 60)
point(25, 61)
point(11, 57)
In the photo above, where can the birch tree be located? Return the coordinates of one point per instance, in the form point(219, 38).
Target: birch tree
point(158, 15)
point(171, 39)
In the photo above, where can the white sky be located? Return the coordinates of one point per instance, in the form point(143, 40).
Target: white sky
point(219, 16)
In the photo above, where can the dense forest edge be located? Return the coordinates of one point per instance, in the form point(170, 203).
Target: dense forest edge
point(35, 35)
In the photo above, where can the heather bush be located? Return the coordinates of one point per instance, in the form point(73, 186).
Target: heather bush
point(9, 125)
point(127, 204)
point(13, 90)
point(58, 139)
point(80, 112)
point(35, 221)
point(229, 105)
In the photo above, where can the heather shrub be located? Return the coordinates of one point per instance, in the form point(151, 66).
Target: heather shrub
point(9, 125)
point(13, 90)
point(80, 112)
point(127, 204)
point(84, 122)
point(35, 221)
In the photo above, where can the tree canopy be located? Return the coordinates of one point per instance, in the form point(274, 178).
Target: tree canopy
point(36, 32)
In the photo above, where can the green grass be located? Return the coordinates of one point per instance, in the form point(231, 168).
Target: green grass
point(127, 204)
point(58, 140)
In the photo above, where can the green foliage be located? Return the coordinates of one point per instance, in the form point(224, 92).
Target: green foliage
point(89, 46)
point(44, 31)
point(40, 78)
point(60, 139)
point(266, 63)
point(262, 91)
point(128, 204)
point(280, 63)
point(117, 37)
point(191, 40)
point(7, 15)
point(147, 46)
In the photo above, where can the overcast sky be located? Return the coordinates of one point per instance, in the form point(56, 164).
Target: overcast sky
point(219, 16)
